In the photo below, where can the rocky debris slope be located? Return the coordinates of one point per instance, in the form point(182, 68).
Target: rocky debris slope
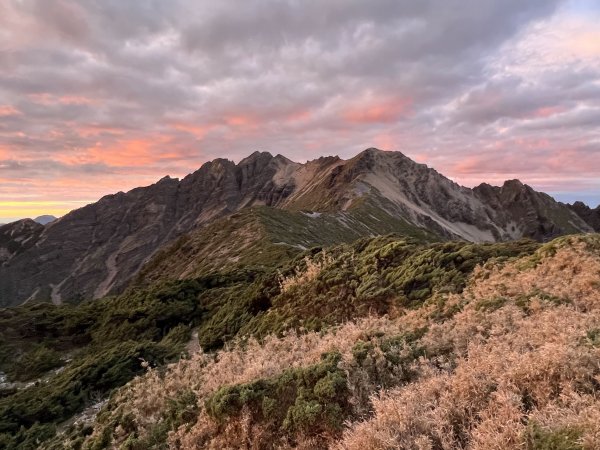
point(403, 188)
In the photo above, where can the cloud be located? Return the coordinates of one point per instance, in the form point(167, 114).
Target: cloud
point(155, 87)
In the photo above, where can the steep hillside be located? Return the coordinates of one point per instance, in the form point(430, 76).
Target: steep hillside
point(503, 356)
point(96, 250)
point(266, 237)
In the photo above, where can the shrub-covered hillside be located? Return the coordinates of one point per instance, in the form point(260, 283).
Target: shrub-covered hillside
point(310, 354)
point(505, 356)
point(263, 237)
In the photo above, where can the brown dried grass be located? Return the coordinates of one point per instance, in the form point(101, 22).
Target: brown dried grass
point(508, 366)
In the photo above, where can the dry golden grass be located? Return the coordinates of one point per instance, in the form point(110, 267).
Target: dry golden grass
point(514, 366)
point(517, 349)
point(312, 269)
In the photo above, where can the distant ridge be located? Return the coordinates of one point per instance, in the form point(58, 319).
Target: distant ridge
point(45, 219)
point(96, 250)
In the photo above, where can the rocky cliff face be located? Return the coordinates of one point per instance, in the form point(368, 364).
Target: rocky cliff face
point(589, 215)
point(412, 191)
point(96, 250)
point(523, 212)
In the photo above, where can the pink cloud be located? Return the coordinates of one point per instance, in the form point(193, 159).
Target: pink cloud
point(548, 111)
point(378, 111)
point(50, 99)
point(196, 130)
point(9, 110)
point(243, 121)
point(126, 152)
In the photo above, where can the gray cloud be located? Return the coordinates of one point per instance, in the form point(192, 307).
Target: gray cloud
point(194, 80)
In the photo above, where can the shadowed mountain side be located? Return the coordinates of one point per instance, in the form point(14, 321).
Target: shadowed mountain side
point(17, 237)
point(591, 216)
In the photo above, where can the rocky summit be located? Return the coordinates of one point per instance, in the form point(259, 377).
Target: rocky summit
point(97, 250)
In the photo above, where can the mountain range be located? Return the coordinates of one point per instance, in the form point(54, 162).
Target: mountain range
point(260, 211)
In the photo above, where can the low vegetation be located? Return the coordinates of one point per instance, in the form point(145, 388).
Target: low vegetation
point(447, 374)
point(388, 342)
point(105, 343)
point(265, 238)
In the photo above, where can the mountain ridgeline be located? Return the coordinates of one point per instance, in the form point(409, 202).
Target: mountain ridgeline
point(261, 211)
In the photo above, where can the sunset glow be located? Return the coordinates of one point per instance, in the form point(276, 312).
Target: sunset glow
point(102, 97)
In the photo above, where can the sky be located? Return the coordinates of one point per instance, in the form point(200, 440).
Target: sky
point(102, 96)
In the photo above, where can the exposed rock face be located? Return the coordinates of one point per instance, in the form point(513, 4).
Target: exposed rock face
point(95, 250)
point(523, 212)
point(409, 190)
point(17, 237)
point(591, 216)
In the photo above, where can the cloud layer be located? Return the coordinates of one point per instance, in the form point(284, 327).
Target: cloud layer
point(100, 96)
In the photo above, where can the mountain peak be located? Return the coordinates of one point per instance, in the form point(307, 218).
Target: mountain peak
point(280, 158)
point(254, 157)
point(371, 150)
point(514, 183)
point(166, 180)
point(386, 157)
point(217, 162)
point(591, 216)
point(44, 219)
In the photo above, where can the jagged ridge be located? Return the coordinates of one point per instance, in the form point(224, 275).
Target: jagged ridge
point(96, 250)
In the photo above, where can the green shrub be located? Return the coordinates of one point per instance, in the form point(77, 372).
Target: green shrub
point(33, 364)
point(310, 399)
point(181, 410)
point(28, 438)
point(559, 439)
point(372, 276)
point(110, 338)
point(593, 337)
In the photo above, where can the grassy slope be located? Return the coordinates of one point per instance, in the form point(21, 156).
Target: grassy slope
point(503, 358)
point(249, 291)
point(262, 238)
point(316, 290)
